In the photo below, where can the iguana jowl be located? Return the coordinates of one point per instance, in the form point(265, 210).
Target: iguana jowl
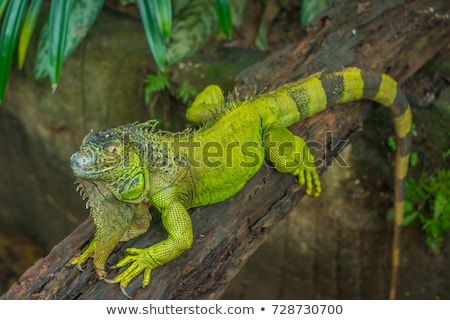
point(173, 171)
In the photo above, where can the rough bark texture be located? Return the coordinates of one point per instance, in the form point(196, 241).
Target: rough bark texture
point(395, 36)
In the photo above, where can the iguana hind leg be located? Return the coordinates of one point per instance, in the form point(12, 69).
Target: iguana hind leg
point(290, 154)
point(206, 106)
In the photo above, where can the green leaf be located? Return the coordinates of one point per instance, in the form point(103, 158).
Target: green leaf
point(154, 83)
point(224, 15)
point(83, 14)
point(309, 9)
point(186, 91)
point(427, 203)
point(261, 42)
point(3, 4)
point(414, 159)
point(392, 143)
point(154, 36)
point(390, 216)
point(408, 206)
point(58, 26)
point(41, 60)
point(410, 218)
point(8, 39)
point(195, 24)
point(435, 242)
point(414, 130)
point(27, 30)
point(440, 204)
point(163, 12)
point(446, 154)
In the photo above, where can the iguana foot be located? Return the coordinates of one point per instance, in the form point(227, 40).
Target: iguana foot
point(83, 257)
point(311, 179)
point(290, 154)
point(307, 174)
point(141, 260)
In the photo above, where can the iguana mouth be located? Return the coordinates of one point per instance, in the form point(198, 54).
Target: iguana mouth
point(83, 166)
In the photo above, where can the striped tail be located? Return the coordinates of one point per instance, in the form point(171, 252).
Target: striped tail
point(328, 88)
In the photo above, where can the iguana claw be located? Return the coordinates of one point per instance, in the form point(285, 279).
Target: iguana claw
point(124, 292)
point(122, 288)
point(79, 267)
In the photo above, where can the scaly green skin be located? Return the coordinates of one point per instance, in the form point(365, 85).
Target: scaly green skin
point(127, 221)
point(175, 172)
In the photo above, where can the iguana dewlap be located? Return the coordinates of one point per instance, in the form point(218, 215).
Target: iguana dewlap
point(175, 171)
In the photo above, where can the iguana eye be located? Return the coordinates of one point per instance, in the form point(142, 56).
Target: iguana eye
point(112, 150)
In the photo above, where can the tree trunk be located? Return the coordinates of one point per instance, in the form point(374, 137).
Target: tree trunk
point(397, 37)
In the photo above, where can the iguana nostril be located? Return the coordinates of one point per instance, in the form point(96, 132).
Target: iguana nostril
point(79, 160)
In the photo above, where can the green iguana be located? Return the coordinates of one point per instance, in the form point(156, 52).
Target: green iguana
point(175, 171)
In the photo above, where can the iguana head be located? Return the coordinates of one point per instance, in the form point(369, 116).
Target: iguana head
point(110, 156)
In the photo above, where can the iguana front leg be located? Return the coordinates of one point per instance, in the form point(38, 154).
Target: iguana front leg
point(84, 256)
point(177, 223)
point(114, 221)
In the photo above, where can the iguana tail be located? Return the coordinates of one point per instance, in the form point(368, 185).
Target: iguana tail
point(328, 88)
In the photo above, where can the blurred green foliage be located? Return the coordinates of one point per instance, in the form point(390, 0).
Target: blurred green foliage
point(68, 23)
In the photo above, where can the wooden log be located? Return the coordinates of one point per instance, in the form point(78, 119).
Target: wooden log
point(397, 38)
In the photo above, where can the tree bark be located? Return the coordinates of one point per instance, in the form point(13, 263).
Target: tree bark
point(397, 37)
